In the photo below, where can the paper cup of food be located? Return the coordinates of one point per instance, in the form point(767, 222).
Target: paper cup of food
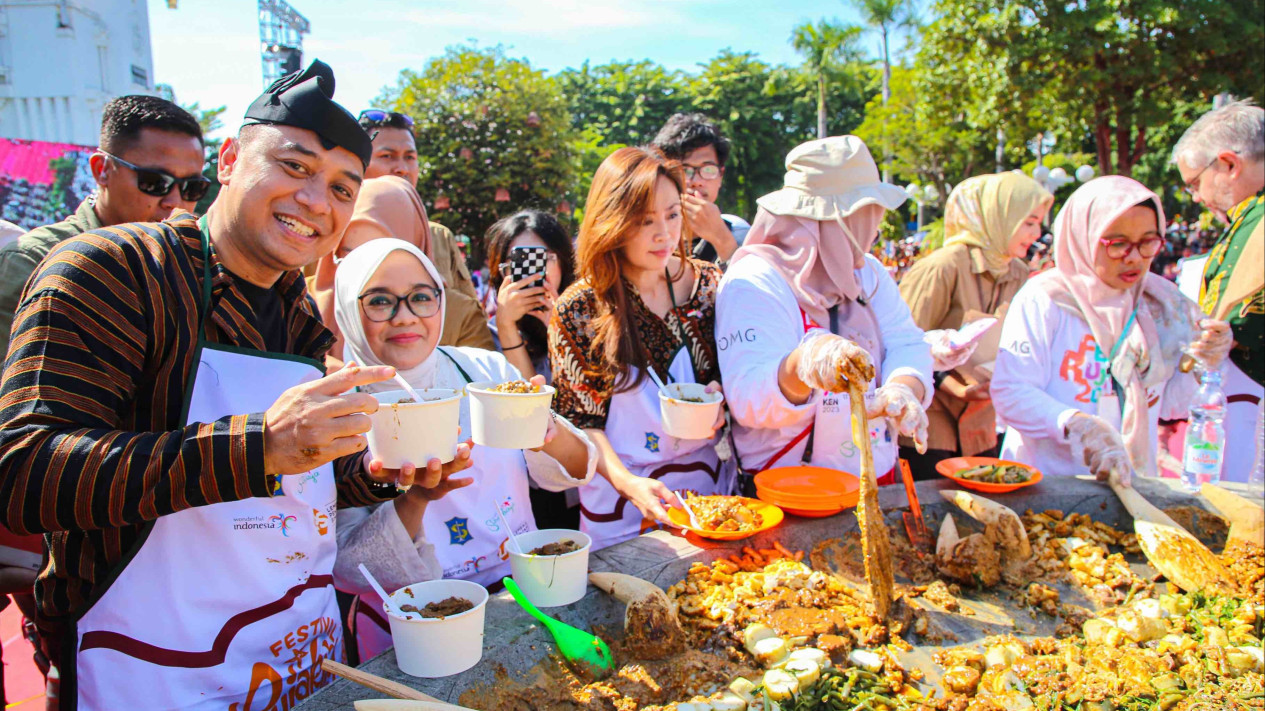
point(553, 568)
point(510, 415)
point(441, 632)
point(688, 411)
point(403, 431)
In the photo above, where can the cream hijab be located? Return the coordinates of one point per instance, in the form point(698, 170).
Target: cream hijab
point(353, 274)
point(818, 259)
point(984, 212)
point(1144, 348)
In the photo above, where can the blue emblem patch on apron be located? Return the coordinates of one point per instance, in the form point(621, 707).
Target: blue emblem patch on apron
point(652, 442)
point(458, 531)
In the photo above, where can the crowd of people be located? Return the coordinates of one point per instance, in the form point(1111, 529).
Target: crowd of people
point(185, 398)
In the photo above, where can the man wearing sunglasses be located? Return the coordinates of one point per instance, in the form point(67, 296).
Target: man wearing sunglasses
point(697, 144)
point(148, 163)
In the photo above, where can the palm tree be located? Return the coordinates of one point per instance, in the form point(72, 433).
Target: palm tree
point(886, 16)
point(824, 45)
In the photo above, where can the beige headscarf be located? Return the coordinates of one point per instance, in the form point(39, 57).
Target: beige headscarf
point(386, 207)
point(1145, 347)
point(985, 211)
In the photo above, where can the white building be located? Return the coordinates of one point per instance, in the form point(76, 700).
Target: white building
point(62, 60)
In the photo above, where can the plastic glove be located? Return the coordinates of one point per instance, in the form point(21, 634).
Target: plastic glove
point(1099, 446)
point(826, 361)
point(1215, 341)
point(897, 403)
point(946, 355)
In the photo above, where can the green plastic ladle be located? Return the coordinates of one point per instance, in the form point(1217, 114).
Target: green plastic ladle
point(577, 646)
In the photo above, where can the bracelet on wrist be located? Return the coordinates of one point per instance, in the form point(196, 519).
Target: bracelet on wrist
point(521, 344)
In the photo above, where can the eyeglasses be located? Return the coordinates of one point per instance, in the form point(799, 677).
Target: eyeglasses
point(1121, 248)
point(159, 184)
point(507, 268)
point(1192, 186)
point(379, 306)
point(378, 116)
point(706, 171)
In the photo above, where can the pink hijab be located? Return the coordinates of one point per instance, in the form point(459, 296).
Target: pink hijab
point(818, 259)
point(386, 207)
point(1147, 354)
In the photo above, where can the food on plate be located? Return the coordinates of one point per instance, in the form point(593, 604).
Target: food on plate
point(441, 609)
point(724, 513)
point(995, 474)
point(515, 387)
point(556, 548)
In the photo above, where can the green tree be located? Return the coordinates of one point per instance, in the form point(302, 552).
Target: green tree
point(1114, 69)
point(210, 121)
point(886, 16)
point(625, 102)
point(825, 45)
point(493, 134)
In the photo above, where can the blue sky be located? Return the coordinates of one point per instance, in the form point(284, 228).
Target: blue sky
point(208, 50)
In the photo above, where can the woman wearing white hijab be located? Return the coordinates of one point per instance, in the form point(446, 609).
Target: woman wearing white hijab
point(1090, 348)
point(388, 304)
point(802, 296)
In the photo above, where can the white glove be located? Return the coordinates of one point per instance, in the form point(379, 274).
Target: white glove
point(897, 402)
point(1099, 446)
point(825, 360)
point(946, 355)
point(1215, 341)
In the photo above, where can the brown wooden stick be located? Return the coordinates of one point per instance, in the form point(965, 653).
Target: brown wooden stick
point(874, 541)
point(386, 686)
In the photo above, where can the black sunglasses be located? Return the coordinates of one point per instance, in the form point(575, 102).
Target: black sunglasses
point(159, 184)
point(377, 116)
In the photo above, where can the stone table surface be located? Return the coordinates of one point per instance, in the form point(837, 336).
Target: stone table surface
point(516, 642)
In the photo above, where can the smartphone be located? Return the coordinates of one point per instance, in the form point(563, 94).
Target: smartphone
point(527, 261)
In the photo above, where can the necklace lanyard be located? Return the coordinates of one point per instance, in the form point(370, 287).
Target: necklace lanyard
point(681, 333)
point(1124, 335)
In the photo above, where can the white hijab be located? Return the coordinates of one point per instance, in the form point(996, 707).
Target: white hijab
point(349, 282)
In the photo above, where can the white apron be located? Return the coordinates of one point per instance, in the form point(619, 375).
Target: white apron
point(229, 606)
point(468, 537)
point(636, 434)
point(827, 441)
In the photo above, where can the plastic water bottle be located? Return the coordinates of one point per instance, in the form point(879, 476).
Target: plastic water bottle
point(1205, 435)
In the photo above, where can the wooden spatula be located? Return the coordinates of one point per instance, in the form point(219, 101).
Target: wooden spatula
point(874, 541)
point(386, 686)
point(1172, 549)
point(1247, 520)
point(649, 616)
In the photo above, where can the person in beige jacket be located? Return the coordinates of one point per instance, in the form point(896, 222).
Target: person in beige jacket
point(990, 222)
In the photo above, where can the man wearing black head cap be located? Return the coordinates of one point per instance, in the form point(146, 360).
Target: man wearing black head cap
point(167, 425)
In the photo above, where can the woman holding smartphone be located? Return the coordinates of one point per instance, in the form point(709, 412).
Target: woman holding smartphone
point(533, 262)
point(641, 304)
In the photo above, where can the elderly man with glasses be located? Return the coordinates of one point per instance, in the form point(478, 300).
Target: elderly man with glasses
point(1221, 159)
point(148, 164)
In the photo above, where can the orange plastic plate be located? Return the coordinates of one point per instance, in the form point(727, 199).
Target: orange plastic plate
point(806, 487)
point(770, 514)
point(950, 468)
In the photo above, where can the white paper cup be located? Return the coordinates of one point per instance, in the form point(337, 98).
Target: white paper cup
point(688, 420)
point(508, 420)
point(435, 647)
point(415, 432)
point(551, 580)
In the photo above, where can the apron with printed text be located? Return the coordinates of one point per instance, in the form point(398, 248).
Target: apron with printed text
point(827, 441)
point(228, 606)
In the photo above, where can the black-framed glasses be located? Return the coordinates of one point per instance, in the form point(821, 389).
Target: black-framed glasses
point(378, 116)
point(706, 171)
point(379, 306)
point(157, 183)
point(1192, 186)
point(1120, 248)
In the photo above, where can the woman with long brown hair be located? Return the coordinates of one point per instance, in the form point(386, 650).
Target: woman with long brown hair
point(641, 303)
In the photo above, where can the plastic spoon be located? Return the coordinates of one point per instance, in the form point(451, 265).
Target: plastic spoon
point(373, 582)
point(509, 530)
point(576, 646)
point(407, 388)
point(655, 377)
point(685, 505)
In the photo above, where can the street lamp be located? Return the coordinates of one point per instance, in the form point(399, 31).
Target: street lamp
point(1054, 179)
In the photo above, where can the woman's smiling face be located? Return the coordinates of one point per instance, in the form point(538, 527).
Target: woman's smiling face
point(405, 339)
